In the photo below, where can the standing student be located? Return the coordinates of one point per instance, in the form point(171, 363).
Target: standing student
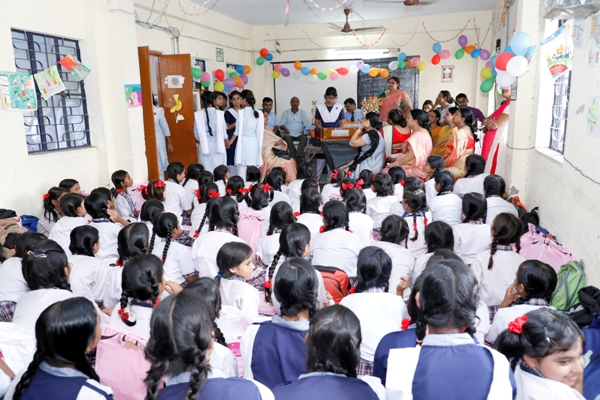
point(438, 235)
point(124, 202)
point(329, 114)
point(397, 174)
point(163, 137)
point(199, 216)
point(210, 130)
point(379, 207)
point(446, 206)
point(74, 212)
point(179, 351)
point(310, 202)
point(190, 183)
point(178, 200)
point(495, 193)
point(351, 113)
point(473, 180)
point(292, 123)
point(473, 235)
point(107, 222)
point(356, 204)
point(433, 165)
point(52, 210)
point(545, 347)
point(231, 117)
point(249, 131)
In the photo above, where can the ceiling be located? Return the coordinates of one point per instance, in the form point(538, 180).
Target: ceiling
point(271, 12)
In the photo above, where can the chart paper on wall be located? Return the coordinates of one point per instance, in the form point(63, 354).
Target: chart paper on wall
point(49, 82)
point(18, 91)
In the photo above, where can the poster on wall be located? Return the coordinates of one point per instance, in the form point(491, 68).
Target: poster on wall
point(594, 45)
point(75, 67)
point(593, 123)
point(220, 55)
point(133, 95)
point(576, 28)
point(18, 91)
point(49, 82)
point(447, 73)
point(557, 50)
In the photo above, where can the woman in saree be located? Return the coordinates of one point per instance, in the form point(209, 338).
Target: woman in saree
point(444, 100)
point(461, 144)
point(395, 135)
point(419, 146)
point(493, 149)
point(445, 133)
point(394, 99)
point(435, 121)
point(275, 154)
point(372, 147)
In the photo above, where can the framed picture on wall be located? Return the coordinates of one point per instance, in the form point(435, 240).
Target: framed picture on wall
point(197, 102)
point(220, 55)
point(447, 73)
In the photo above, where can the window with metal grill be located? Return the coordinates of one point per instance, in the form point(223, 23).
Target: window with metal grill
point(61, 122)
point(560, 108)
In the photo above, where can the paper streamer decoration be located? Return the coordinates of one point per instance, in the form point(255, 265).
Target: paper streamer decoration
point(18, 91)
point(49, 82)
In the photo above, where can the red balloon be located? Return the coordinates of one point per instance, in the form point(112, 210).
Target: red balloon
point(502, 60)
point(264, 52)
point(220, 75)
point(342, 71)
point(435, 60)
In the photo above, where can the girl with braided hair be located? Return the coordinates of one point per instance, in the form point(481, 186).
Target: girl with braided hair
point(210, 131)
point(438, 235)
point(249, 132)
point(150, 212)
point(495, 269)
point(177, 259)
point(356, 204)
point(180, 349)
point(371, 154)
point(379, 207)
point(414, 205)
point(310, 207)
point(235, 188)
point(473, 235)
point(495, 194)
point(282, 215)
point(199, 220)
point(446, 206)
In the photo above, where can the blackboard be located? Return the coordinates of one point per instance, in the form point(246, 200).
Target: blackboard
point(409, 81)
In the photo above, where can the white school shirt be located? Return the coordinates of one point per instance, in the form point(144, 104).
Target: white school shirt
point(177, 199)
point(114, 281)
point(109, 237)
point(398, 191)
point(417, 247)
point(369, 194)
point(205, 249)
point(446, 208)
point(379, 314)
point(430, 191)
point(506, 315)
point(268, 247)
point(222, 187)
point(532, 387)
point(222, 358)
point(330, 192)
point(379, 207)
point(362, 225)
point(493, 283)
point(279, 196)
point(31, 304)
point(403, 263)
point(196, 219)
point(293, 190)
point(88, 277)
point(44, 226)
point(191, 186)
point(312, 221)
point(61, 232)
point(497, 205)
point(178, 264)
point(123, 207)
point(471, 239)
point(482, 322)
point(337, 248)
point(12, 282)
point(240, 295)
point(420, 264)
point(470, 184)
point(140, 314)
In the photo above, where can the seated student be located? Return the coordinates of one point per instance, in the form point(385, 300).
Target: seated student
point(179, 350)
point(236, 189)
point(150, 212)
point(379, 207)
point(398, 175)
point(414, 210)
point(366, 176)
point(88, 277)
point(222, 357)
point(446, 206)
point(276, 179)
point(74, 212)
point(356, 204)
point(124, 201)
point(545, 348)
point(223, 217)
point(108, 223)
point(331, 190)
point(282, 215)
point(12, 281)
point(379, 312)
point(448, 353)
point(438, 235)
point(205, 177)
point(333, 344)
point(206, 193)
point(310, 216)
point(71, 185)
point(473, 235)
point(258, 212)
point(52, 210)
point(351, 113)
point(336, 246)
point(177, 259)
point(252, 176)
point(294, 187)
point(178, 200)
point(495, 193)
point(65, 332)
point(236, 265)
point(222, 176)
point(190, 183)
point(534, 284)
point(274, 352)
point(306, 184)
point(473, 180)
point(495, 269)
point(433, 165)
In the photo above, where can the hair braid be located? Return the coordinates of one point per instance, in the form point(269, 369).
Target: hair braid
point(152, 240)
point(202, 223)
point(255, 112)
point(23, 384)
point(155, 375)
point(270, 271)
point(271, 229)
point(198, 376)
point(518, 244)
point(153, 286)
point(414, 238)
point(124, 302)
point(219, 337)
point(167, 245)
point(208, 121)
point(492, 252)
point(421, 328)
point(348, 223)
point(234, 229)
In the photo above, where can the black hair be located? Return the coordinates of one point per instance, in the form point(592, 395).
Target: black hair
point(411, 183)
point(333, 341)
point(132, 241)
point(437, 114)
point(193, 172)
point(461, 95)
point(439, 235)
point(436, 163)
point(233, 93)
point(235, 184)
point(421, 118)
point(545, 332)
point(416, 199)
point(220, 172)
point(69, 203)
point(282, 214)
point(411, 305)
point(538, 278)
point(231, 255)
point(44, 266)
point(259, 197)
point(493, 185)
point(331, 91)
point(474, 207)
point(507, 230)
point(397, 118)
point(205, 177)
point(223, 213)
point(96, 204)
point(53, 194)
point(310, 200)
point(530, 217)
point(445, 179)
point(335, 215)
point(267, 100)
point(26, 241)
point(373, 269)
point(181, 329)
point(67, 184)
point(470, 121)
point(155, 190)
point(394, 229)
point(276, 178)
point(208, 99)
point(374, 137)
point(309, 183)
point(83, 239)
point(448, 96)
point(106, 192)
point(208, 288)
point(449, 297)
point(350, 101)
point(142, 276)
point(427, 102)
point(252, 174)
point(452, 110)
point(296, 287)
point(373, 119)
point(474, 165)
point(249, 97)
point(383, 184)
point(163, 228)
point(304, 170)
point(118, 179)
point(151, 209)
point(355, 200)
point(397, 174)
point(442, 254)
point(337, 176)
point(204, 197)
point(365, 175)
point(63, 333)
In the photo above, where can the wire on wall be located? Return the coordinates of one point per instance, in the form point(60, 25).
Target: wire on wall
point(409, 39)
point(452, 38)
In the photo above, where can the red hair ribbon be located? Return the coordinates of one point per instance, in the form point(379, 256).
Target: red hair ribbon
point(296, 213)
point(334, 174)
point(243, 190)
point(196, 234)
point(425, 221)
point(321, 213)
point(347, 186)
point(516, 326)
point(415, 225)
point(373, 177)
point(119, 263)
point(160, 184)
point(119, 191)
point(402, 182)
point(359, 183)
point(250, 188)
point(322, 229)
point(266, 187)
point(198, 195)
point(212, 194)
point(405, 324)
point(229, 191)
point(143, 188)
point(352, 290)
point(267, 284)
point(157, 302)
point(349, 173)
point(123, 314)
point(46, 196)
point(464, 329)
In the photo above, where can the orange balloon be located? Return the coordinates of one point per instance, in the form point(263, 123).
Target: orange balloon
point(469, 49)
point(373, 72)
point(314, 71)
point(384, 73)
point(409, 64)
point(298, 65)
point(238, 81)
point(247, 69)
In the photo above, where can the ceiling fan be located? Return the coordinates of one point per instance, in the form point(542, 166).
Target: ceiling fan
point(347, 29)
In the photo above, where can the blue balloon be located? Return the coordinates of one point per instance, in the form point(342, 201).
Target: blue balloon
point(494, 72)
point(493, 62)
point(437, 47)
point(520, 43)
point(366, 68)
point(305, 71)
point(475, 53)
point(402, 56)
point(269, 57)
point(508, 50)
point(240, 69)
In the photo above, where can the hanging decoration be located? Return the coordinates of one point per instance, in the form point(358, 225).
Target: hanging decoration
point(340, 3)
point(372, 44)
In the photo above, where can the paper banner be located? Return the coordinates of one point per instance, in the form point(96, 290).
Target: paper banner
point(133, 95)
point(18, 91)
point(593, 122)
point(75, 67)
point(576, 28)
point(49, 82)
point(557, 50)
point(594, 45)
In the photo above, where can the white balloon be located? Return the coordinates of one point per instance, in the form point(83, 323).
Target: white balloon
point(297, 74)
point(517, 66)
point(353, 69)
point(393, 65)
point(504, 80)
point(313, 79)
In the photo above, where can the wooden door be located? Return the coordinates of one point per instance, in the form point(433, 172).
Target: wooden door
point(149, 128)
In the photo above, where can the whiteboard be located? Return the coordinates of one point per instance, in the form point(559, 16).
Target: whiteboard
point(286, 88)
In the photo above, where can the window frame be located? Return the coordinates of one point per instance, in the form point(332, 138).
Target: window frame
point(557, 141)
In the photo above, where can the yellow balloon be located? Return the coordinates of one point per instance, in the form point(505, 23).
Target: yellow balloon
point(219, 86)
point(486, 73)
point(373, 72)
point(384, 73)
point(275, 74)
point(329, 71)
point(421, 66)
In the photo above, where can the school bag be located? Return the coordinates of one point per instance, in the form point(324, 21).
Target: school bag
point(516, 201)
point(537, 246)
point(589, 303)
point(233, 323)
point(5, 213)
point(591, 357)
point(250, 226)
point(8, 238)
point(571, 279)
point(30, 222)
point(336, 282)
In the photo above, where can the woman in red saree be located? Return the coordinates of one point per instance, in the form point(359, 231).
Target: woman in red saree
point(494, 123)
point(394, 99)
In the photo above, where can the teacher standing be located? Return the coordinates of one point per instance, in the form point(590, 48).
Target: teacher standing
point(393, 99)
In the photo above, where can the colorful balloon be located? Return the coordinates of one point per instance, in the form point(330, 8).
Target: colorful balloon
point(313, 79)
point(373, 72)
point(502, 60)
point(205, 84)
point(484, 55)
point(219, 86)
point(219, 74)
point(269, 57)
point(263, 52)
point(509, 49)
point(360, 64)
point(205, 77)
point(494, 72)
point(460, 53)
point(297, 74)
point(275, 74)
point(322, 76)
point(298, 65)
point(504, 80)
point(487, 64)
point(342, 71)
point(444, 54)
point(421, 66)
point(238, 81)
point(285, 72)
point(260, 61)
point(366, 68)
point(520, 43)
point(384, 73)
point(314, 71)
point(353, 69)
point(244, 78)
point(517, 66)
point(435, 60)
point(305, 71)
point(196, 73)
point(233, 74)
point(437, 47)
point(393, 65)
point(247, 69)
point(475, 53)
point(228, 82)
point(487, 85)
point(469, 49)
point(486, 73)
point(239, 69)
point(334, 75)
point(277, 67)
point(415, 61)
point(462, 41)
point(401, 64)
point(402, 56)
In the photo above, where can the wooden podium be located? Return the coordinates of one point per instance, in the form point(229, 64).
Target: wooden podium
point(334, 134)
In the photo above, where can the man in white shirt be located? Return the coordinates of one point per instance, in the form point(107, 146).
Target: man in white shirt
point(352, 114)
point(293, 122)
point(272, 123)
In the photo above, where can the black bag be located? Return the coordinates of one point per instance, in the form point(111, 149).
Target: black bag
point(583, 313)
point(281, 153)
point(4, 213)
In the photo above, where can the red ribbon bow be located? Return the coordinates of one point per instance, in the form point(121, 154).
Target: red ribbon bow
point(347, 186)
point(405, 324)
point(425, 221)
point(322, 229)
point(334, 174)
point(212, 194)
point(243, 190)
point(351, 291)
point(119, 191)
point(119, 263)
point(296, 213)
point(516, 326)
point(359, 183)
point(348, 173)
point(156, 303)
point(46, 196)
point(266, 187)
point(229, 191)
point(198, 195)
point(402, 182)
point(143, 188)
point(160, 184)
point(196, 234)
point(267, 284)
point(123, 314)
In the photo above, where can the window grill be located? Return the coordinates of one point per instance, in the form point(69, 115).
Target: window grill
point(560, 108)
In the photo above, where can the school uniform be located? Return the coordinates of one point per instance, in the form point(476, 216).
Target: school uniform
point(45, 226)
point(114, 281)
point(211, 144)
point(430, 190)
point(125, 204)
point(177, 199)
point(509, 314)
point(31, 304)
point(61, 232)
point(497, 205)
point(88, 277)
point(532, 386)
point(53, 383)
point(446, 207)
point(178, 264)
point(369, 194)
point(337, 248)
point(392, 340)
point(379, 208)
point(452, 363)
point(375, 162)
point(403, 263)
point(231, 116)
point(420, 264)
point(12, 282)
point(279, 196)
point(249, 131)
point(294, 190)
point(268, 247)
point(109, 236)
point(325, 386)
point(471, 239)
point(330, 192)
point(222, 186)
point(162, 132)
point(399, 191)
point(140, 312)
point(205, 249)
point(417, 247)
point(312, 221)
point(274, 352)
point(196, 219)
point(237, 293)
point(362, 225)
point(222, 358)
point(469, 184)
point(191, 186)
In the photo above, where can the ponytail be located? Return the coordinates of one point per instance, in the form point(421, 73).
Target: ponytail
point(492, 252)
point(208, 121)
point(269, 282)
point(167, 245)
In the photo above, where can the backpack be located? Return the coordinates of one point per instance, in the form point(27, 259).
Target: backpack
point(4, 213)
point(583, 313)
point(516, 201)
point(571, 278)
point(336, 282)
point(537, 246)
point(30, 222)
point(8, 238)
